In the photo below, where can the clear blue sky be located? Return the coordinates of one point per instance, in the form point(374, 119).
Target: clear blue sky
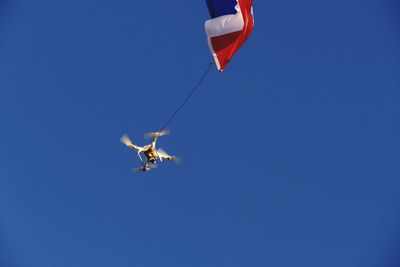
point(290, 157)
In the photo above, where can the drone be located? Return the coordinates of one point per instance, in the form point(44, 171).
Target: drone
point(150, 151)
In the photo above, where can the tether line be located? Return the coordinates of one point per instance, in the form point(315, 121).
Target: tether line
point(187, 97)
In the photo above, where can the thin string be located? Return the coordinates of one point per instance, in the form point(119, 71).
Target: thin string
point(187, 97)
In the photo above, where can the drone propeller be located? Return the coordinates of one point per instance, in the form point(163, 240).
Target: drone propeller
point(150, 166)
point(154, 134)
point(140, 169)
point(125, 140)
point(176, 159)
point(162, 154)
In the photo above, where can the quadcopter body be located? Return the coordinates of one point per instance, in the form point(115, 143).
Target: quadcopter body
point(149, 151)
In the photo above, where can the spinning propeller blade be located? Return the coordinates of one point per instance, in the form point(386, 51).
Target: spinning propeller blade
point(125, 140)
point(165, 155)
point(153, 134)
point(144, 169)
point(152, 166)
point(176, 159)
point(141, 169)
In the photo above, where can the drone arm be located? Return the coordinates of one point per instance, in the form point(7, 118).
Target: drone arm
point(154, 141)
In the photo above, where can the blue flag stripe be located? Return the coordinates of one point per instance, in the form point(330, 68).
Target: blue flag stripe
point(219, 8)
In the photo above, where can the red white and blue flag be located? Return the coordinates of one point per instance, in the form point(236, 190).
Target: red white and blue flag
point(230, 25)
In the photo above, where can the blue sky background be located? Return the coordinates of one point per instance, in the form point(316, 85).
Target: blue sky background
point(290, 157)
